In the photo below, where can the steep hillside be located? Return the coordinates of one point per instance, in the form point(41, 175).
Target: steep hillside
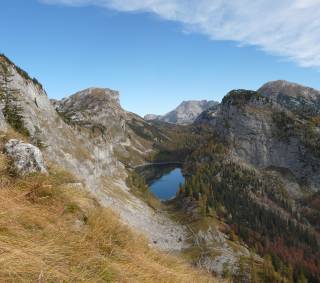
point(185, 113)
point(53, 230)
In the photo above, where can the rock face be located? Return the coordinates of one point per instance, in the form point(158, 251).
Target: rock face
point(265, 131)
point(185, 113)
point(26, 158)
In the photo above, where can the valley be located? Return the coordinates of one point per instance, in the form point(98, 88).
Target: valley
point(233, 192)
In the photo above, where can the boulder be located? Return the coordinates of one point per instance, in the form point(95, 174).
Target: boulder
point(26, 158)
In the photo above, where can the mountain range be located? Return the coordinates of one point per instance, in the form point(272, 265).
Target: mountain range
point(249, 209)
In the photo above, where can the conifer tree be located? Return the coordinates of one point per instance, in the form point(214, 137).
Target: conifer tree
point(10, 107)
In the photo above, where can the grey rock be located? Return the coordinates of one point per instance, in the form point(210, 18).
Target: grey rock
point(27, 158)
point(217, 252)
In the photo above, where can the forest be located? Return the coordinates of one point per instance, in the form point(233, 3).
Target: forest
point(258, 210)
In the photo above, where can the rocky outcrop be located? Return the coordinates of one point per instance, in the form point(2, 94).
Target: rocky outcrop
point(214, 242)
point(26, 158)
point(185, 113)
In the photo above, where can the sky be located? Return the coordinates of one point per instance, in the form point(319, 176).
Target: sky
point(157, 53)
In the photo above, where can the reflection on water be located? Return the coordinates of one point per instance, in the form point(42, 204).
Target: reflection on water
point(164, 180)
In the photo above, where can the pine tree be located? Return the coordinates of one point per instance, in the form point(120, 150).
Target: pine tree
point(204, 205)
point(11, 110)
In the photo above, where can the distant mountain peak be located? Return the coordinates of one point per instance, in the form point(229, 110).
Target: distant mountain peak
point(185, 113)
point(151, 117)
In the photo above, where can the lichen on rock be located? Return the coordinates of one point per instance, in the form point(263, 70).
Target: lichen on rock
point(26, 158)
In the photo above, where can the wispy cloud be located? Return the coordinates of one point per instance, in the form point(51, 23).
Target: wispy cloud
point(289, 28)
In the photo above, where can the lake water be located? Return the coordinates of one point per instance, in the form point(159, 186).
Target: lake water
point(164, 180)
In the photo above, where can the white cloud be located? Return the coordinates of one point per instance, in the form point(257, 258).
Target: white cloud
point(289, 28)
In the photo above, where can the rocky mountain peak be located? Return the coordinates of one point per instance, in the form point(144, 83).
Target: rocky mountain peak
point(185, 113)
point(298, 98)
point(91, 106)
point(91, 99)
point(151, 117)
point(276, 88)
point(194, 105)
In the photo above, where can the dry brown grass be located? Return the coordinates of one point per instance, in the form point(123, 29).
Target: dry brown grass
point(52, 234)
point(11, 134)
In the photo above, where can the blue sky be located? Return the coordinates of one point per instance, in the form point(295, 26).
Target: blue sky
point(154, 53)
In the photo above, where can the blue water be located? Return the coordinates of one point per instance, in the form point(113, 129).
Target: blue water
point(167, 185)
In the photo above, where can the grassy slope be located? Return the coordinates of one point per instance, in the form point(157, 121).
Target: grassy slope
point(50, 232)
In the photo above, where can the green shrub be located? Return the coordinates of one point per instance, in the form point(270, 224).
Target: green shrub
point(240, 97)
